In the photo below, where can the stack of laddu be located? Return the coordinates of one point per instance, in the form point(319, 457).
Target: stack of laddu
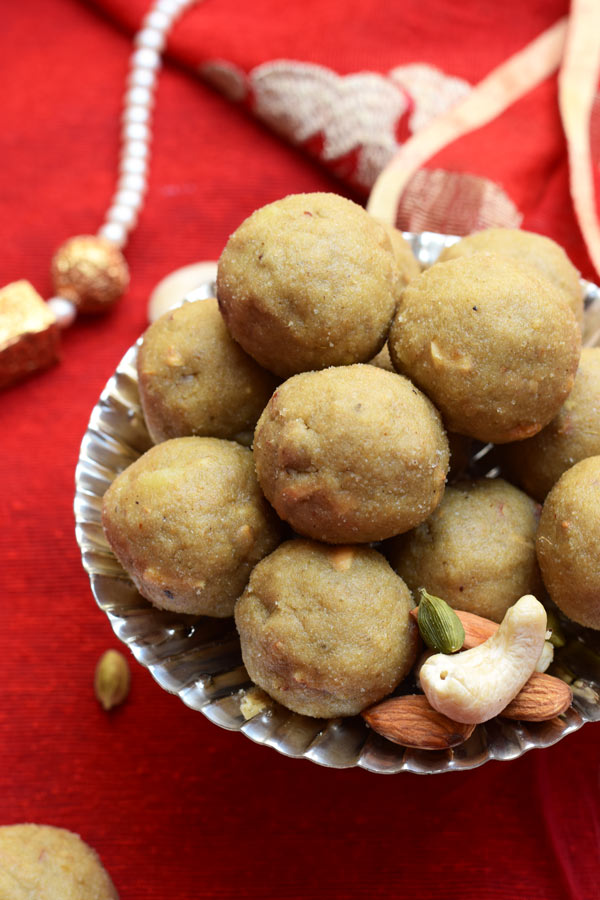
point(349, 373)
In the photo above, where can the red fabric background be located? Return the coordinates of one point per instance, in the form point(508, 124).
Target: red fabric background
point(176, 807)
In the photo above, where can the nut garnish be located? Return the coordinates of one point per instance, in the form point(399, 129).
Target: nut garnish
point(412, 722)
point(253, 702)
point(546, 657)
point(478, 629)
point(543, 697)
point(476, 685)
point(557, 637)
point(111, 681)
point(440, 627)
point(341, 558)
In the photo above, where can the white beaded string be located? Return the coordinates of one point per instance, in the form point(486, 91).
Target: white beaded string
point(136, 133)
point(145, 63)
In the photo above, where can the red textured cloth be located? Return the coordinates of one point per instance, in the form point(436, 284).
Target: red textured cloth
point(176, 807)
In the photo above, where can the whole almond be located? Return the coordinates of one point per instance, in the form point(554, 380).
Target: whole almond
point(412, 722)
point(542, 698)
point(477, 628)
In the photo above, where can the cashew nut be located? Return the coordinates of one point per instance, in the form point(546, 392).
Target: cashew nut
point(546, 657)
point(476, 685)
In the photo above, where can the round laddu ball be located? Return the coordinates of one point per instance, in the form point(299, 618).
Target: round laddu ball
point(493, 345)
point(195, 380)
point(476, 551)
point(574, 434)
point(528, 248)
point(351, 454)
point(326, 631)
point(41, 862)
point(308, 282)
point(568, 540)
point(188, 522)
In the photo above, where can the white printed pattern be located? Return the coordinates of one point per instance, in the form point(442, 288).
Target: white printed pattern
point(358, 113)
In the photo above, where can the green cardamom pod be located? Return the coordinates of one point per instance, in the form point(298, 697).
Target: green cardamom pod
point(111, 680)
point(440, 627)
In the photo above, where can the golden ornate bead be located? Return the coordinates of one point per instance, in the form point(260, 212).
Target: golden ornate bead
point(91, 272)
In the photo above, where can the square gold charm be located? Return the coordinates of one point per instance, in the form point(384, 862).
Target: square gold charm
point(29, 334)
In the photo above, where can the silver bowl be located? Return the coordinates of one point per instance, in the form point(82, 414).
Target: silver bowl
point(199, 658)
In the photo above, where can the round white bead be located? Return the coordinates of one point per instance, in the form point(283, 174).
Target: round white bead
point(135, 131)
point(115, 232)
point(140, 77)
point(135, 150)
point(63, 310)
point(125, 215)
point(128, 198)
point(139, 97)
point(144, 58)
point(170, 7)
point(132, 182)
point(157, 19)
point(151, 38)
point(131, 165)
point(136, 113)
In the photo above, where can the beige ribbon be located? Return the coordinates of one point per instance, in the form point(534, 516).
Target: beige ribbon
point(498, 90)
point(578, 82)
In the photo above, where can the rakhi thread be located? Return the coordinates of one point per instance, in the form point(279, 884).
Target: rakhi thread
point(89, 271)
